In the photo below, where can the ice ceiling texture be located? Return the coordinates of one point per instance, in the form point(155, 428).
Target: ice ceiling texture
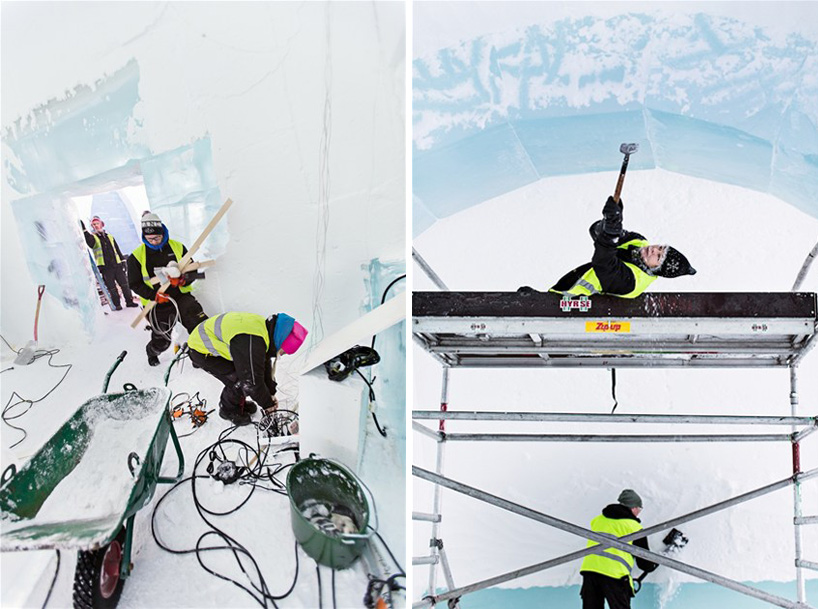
point(706, 96)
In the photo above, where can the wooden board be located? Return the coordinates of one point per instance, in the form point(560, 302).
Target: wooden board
point(186, 258)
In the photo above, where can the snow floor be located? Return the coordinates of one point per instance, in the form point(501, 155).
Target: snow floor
point(159, 578)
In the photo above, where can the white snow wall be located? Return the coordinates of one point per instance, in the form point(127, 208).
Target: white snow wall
point(293, 110)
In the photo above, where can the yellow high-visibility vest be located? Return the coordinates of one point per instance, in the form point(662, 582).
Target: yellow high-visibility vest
point(213, 335)
point(140, 253)
point(98, 257)
point(612, 562)
point(589, 283)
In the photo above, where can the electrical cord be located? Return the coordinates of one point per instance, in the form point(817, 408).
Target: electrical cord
point(383, 299)
point(333, 589)
point(381, 430)
point(11, 404)
point(53, 581)
point(253, 464)
point(375, 584)
point(320, 595)
point(157, 327)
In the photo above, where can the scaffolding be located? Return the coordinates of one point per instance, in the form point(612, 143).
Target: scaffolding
point(528, 330)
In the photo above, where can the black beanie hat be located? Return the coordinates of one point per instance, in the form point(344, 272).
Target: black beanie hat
point(674, 265)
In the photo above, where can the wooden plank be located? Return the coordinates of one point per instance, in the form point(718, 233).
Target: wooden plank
point(361, 330)
point(186, 258)
point(192, 266)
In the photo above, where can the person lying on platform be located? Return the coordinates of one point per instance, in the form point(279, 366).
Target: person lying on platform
point(624, 263)
point(607, 576)
point(238, 349)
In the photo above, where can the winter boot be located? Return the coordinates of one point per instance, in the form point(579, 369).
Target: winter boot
point(247, 406)
point(236, 417)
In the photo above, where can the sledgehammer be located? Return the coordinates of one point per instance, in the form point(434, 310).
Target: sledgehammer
point(674, 541)
point(627, 150)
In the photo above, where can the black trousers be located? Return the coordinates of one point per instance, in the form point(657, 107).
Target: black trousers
point(111, 275)
point(598, 588)
point(162, 316)
point(232, 398)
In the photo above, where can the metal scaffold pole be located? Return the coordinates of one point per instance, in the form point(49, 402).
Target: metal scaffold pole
point(497, 330)
point(796, 489)
point(437, 501)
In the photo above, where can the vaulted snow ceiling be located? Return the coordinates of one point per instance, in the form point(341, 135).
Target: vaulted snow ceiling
point(706, 96)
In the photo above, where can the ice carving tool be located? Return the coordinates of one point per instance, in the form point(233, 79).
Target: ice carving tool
point(627, 150)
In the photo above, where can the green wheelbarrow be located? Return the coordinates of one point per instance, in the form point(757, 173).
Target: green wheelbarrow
point(81, 490)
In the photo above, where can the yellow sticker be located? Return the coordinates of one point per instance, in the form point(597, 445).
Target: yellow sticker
point(607, 326)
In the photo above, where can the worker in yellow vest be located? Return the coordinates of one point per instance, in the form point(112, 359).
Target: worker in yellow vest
point(238, 349)
point(108, 259)
point(176, 303)
point(607, 576)
point(624, 263)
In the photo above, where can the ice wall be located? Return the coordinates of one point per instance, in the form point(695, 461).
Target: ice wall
point(382, 459)
point(705, 95)
point(295, 111)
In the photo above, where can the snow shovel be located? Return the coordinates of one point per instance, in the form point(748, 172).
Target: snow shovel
point(674, 541)
point(26, 355)
point(627, 150)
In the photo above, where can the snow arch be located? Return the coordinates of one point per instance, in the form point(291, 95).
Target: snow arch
point(707, 96)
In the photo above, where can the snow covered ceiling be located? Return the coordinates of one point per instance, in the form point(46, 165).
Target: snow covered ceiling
point(705, 95)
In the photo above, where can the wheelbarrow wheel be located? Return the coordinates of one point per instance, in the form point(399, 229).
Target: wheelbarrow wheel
point(97, 583)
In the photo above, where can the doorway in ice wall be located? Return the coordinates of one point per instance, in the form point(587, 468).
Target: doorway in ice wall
point(91, 144)
point(120, 209)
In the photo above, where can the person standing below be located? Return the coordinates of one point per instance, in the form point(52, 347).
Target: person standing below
point(238, 349)
point(176, 303)
point(108, 259)
point(607, 576)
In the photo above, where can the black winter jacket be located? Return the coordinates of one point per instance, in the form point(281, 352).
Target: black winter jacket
point(153, 258)
point(254, 367)
point(617, 511)
point(609, 263)
point(108, 254)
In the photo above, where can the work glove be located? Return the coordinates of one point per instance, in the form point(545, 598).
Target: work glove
point(82, 224)
point(177, 282)
point(612, 218)
point(160, 298)
point(172, 270)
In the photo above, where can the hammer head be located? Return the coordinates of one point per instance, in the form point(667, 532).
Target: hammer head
point(628, 148)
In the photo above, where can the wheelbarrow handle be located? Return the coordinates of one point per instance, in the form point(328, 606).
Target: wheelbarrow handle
point(111, 371)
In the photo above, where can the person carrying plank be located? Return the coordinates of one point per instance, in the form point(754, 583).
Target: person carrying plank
point(176, 303)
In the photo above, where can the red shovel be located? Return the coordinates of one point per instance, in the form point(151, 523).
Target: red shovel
point(26, 355)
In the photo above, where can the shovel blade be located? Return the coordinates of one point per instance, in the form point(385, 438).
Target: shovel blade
point(26, 355)
point(628, 148)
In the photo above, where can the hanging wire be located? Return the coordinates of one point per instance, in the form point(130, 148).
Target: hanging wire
point(323, 190)
point(613, 389)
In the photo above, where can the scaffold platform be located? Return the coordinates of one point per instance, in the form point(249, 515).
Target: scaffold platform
point(537, 329)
